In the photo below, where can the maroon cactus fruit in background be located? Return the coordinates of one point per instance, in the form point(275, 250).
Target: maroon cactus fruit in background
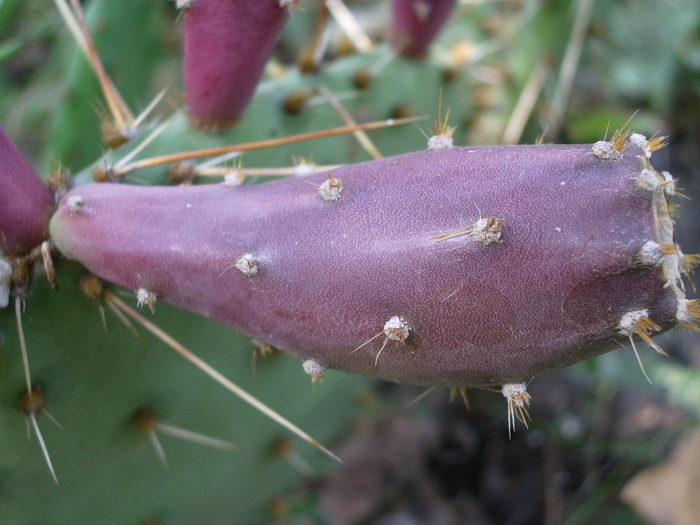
point(458, 267)
point(227, 43)
point(415, 23)
point(25, 202)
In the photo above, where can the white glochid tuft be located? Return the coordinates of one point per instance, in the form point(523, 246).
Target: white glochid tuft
point(397, 329)
point(605, 150)
point(331, 189)
point(439, 142)
point(143, 296)
point(75, 202)
point(649, 180)
point(314, 369)
point(629, 323)
point(669, 184)
point(234, 178)
point(518, 403)
point(651, 254)
point(487, 231)
point(641, 141)
point(248, 265)
point(303, 168)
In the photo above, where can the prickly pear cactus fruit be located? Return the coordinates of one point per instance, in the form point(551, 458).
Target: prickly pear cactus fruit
point(415, 24)
point(27, 202)
point(221, 79)
point(461, 267)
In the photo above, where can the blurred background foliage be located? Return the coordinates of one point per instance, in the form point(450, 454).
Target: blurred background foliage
point(509, 71)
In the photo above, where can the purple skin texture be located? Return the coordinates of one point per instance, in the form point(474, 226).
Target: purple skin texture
point(227, 43)
point(415, 23)
point(25, 202)
point(550, 292)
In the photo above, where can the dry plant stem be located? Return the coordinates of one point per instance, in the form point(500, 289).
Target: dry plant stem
point(194, 437)
point(214, 374)
point(317, 43)
point(23, 345)
point(72, 24)
point(158, 447)
point(262, 144)
point(526, 102)
point(310, 58)
point(147, 110)
point(361, 136)
point(42, 444)
point(121, 114)
point(32, 406)
point(421, 396)
point(138, 149)
point(570, 64)
point(260, 172)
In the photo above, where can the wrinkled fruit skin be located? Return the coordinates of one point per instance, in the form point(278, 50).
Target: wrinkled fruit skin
point(551, 291)
point(25, 202)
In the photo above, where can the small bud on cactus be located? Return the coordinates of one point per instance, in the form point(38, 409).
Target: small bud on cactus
point(461, 267)
point(314, 369)
point(227, 43)
point(144, 297)
point(25, 202)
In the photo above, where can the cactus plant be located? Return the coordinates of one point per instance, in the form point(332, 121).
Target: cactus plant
point(114, 390)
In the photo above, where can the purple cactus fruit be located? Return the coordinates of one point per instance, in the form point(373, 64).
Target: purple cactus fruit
point(455, 267)
point(415, 23)
point(227, 43)
point(26, 202)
